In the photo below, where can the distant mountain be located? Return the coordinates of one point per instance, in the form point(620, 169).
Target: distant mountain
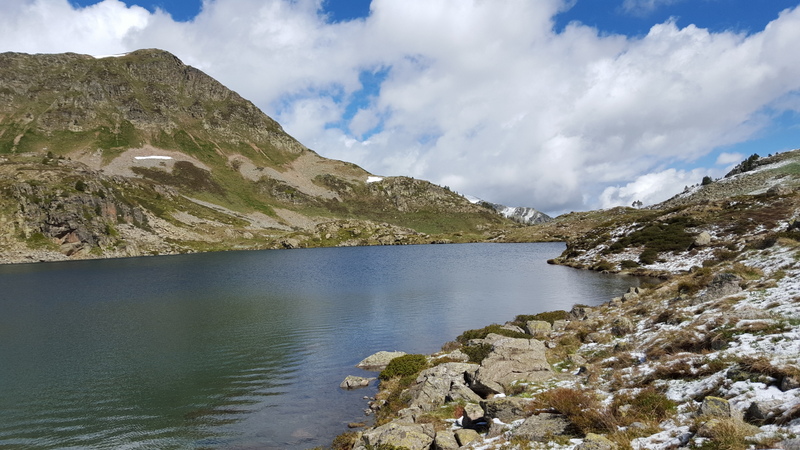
point(521, 214)
point(142, 154)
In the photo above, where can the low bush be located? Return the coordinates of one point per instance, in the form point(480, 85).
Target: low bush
point(404, 366)
point(477, 353)
point(629, 264)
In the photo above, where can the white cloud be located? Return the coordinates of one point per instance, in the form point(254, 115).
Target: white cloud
point(644, 7)
point(650, 188)
point(725, 158)
point(482, 96)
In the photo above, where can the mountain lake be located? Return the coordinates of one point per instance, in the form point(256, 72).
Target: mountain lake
point(245, 350)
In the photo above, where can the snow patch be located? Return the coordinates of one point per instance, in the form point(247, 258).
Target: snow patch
point(152, 157)
point(373, 179)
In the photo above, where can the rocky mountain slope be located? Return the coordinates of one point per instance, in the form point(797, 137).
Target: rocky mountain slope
point(706, 358)
point(141, 154)
point(521, 214)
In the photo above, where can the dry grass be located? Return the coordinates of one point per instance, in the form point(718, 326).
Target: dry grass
point(725, 433)
point(581, 407)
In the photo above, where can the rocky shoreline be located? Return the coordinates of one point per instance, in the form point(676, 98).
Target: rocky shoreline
point(707, 359)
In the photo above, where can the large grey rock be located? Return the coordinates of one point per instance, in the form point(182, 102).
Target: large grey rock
point(460, 392)
point(378, 361)
point(473, 416)
point(506, 409)
point(542, 427)
point(410, 436)
point(434, 386)
point(538, 328)
point(716, 407)
point(762, 410)
point(445, 440)
point(465, 436)
point(510, 360)
point(723, 285)
point(354, 382)
point(703, 239)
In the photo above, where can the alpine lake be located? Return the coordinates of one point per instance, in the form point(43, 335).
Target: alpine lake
point(245, 350)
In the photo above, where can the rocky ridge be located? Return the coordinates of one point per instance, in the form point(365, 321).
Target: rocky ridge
point(141, 154)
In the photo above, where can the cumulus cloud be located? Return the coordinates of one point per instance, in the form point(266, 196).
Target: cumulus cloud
point(650, 188)
point(484, 97)
point(725, 158)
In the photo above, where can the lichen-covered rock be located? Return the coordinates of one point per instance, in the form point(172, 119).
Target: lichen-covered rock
point(435, 386)
point(378, 361)
point(510, 360)
point(410, 436)
point(445, 440)
point(538, 328)
point(465, 436)
point(716, 407)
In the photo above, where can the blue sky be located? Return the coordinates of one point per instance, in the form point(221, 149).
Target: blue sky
point(557, 104)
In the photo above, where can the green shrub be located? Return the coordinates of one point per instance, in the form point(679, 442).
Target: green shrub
point(629, 264)
point(404, 366)
point(648, 256)
point(477, 353)
point(481, 333)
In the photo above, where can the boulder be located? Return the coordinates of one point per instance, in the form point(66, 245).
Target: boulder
point(460, 392)
point(473, 417)
point(559, 325)
point(580, 312)
point(354, 382)
point(761, 411)
point(378, 361)
point(510, 360)
point(715, 407)
point(789, 382)
point(465, 436)
point(538, 328)
point(703, 239)
point(410, 436)
point(596, 442)
point(542, 427)
point(435, 386)
point(445, 440)
point(723, 285)
point(506, 409)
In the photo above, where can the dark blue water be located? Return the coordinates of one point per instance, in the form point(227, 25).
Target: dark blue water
point(244, 349)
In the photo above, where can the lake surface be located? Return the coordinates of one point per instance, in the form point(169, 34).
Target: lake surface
point(242, 350)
